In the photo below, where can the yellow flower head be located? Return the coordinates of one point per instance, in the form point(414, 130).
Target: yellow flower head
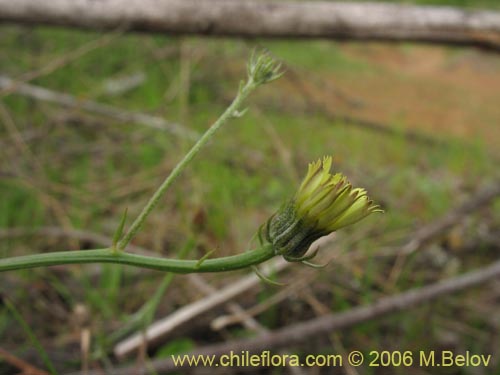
point(323, 204)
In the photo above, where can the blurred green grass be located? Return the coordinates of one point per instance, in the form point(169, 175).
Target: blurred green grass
point(92, 168)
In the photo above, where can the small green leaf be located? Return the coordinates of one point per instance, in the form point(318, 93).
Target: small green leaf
point(119, 230)
point(203, 258)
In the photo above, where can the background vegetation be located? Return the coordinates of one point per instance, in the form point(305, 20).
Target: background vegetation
point(71, 169)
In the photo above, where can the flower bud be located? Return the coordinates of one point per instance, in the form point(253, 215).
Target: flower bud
point(323, 204)
point(263, 68)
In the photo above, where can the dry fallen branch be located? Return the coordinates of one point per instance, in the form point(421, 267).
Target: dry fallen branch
point(223, 321)
point(437, 228)
point(198, 281)
point(302, 332)
point(253, 18)
point(161, 328)
point(69, 101)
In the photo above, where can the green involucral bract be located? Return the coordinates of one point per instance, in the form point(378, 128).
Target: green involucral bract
point(323, 204)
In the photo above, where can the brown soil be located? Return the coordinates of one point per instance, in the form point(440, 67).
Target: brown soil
point(430, 89)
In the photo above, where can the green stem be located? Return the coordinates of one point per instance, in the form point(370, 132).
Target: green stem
point(109, 255)
point(231, 111)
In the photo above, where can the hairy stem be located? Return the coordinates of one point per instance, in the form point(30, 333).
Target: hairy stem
point(261, 69)
point(231, 111)
point(109, 255)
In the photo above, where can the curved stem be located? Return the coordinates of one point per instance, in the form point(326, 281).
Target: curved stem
point(231, 111)
point(109, 255)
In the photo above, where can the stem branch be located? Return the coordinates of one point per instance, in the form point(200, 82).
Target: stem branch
point(230, 111)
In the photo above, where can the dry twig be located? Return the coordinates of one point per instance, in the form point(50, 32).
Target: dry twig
point(430, 232)
point(26, 368)
point(301, 332)
point(161, 328)
point(69, 101)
